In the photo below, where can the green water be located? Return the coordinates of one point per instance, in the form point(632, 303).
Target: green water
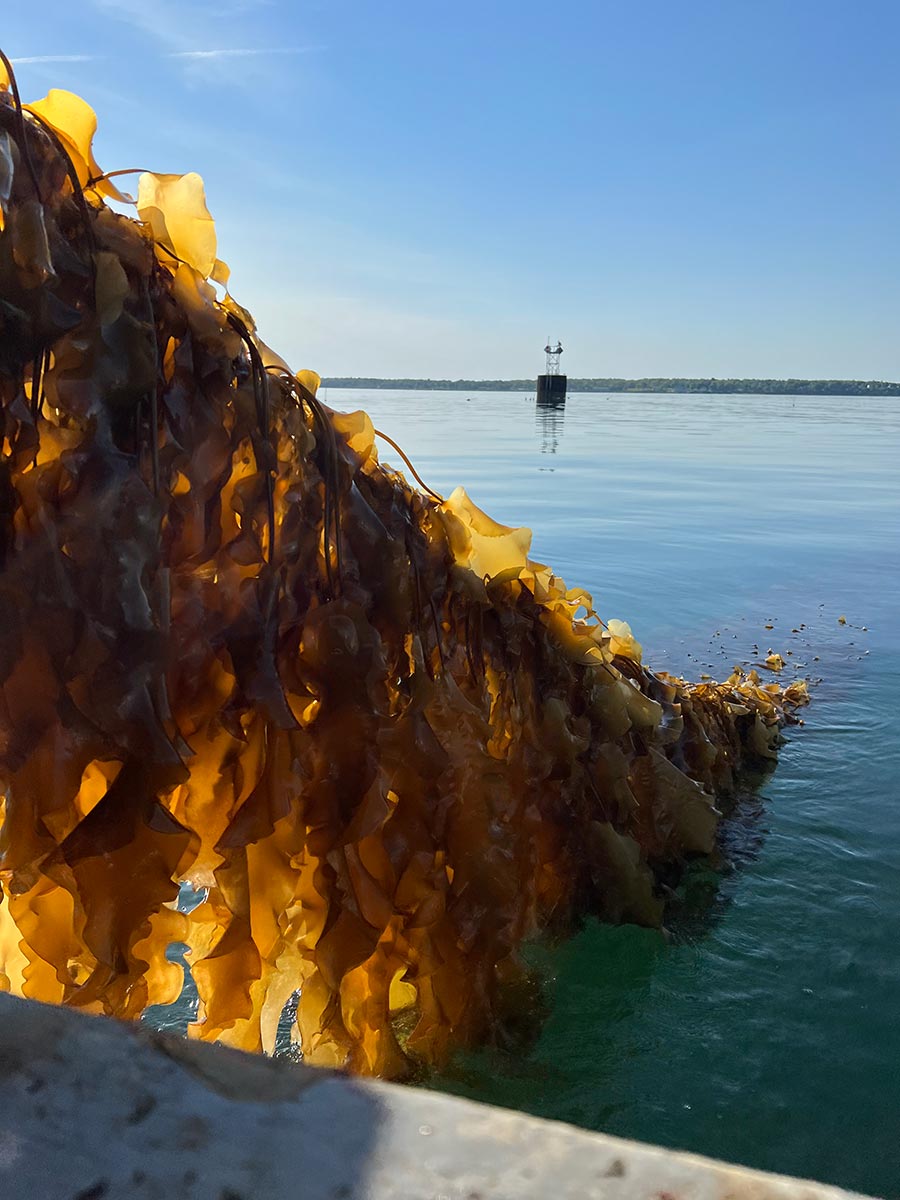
point(766, 1028)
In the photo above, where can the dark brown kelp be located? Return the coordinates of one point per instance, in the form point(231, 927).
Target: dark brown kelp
point(237, 650)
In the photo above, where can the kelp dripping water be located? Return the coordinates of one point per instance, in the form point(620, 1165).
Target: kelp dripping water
point(237, 650)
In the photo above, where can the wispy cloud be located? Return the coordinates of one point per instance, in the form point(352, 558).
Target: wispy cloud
point(255, 36)
point(187, 54)
point(52, 58)
point(177, 26)
point(241, 53)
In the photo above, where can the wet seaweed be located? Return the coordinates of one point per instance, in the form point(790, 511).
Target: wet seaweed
point(239, 652)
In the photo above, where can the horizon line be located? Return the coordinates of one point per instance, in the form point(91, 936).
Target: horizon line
point(625, 379)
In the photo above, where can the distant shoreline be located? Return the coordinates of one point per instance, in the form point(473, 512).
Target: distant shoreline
point(728, 387)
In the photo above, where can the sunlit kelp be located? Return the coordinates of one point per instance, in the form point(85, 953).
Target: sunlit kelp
point(237, 650)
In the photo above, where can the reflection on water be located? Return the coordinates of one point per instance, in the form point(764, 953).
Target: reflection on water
point(551, 415)
point(708, 887)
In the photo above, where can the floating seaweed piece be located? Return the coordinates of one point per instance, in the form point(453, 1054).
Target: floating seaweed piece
point(239, 651)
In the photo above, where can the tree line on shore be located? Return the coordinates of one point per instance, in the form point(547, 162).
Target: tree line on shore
point(758, 387)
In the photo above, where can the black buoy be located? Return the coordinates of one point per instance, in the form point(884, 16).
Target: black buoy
point(551, 386)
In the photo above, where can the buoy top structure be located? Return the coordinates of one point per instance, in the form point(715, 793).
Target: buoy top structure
point(553, 356)
point(551, 386)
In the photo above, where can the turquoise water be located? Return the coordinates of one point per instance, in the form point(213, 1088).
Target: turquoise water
point(766, 1028)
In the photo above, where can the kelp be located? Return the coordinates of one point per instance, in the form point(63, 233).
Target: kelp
point(239, 651)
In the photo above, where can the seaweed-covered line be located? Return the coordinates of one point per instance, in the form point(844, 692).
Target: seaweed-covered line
point(386, 744)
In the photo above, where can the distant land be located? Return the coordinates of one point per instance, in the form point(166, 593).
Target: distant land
point(758, 387)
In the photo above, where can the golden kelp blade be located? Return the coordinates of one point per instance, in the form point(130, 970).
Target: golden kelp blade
point(238, 651)
point(75, 123)
point(174, 207)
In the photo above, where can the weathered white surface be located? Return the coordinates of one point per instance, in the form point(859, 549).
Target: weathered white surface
point(91, 1109)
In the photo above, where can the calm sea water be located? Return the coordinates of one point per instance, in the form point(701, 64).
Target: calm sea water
point(766, 1029)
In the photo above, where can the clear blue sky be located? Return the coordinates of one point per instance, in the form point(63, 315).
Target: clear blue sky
point(673, 187)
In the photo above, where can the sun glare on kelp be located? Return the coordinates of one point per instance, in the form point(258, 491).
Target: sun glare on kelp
point(238, 651)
